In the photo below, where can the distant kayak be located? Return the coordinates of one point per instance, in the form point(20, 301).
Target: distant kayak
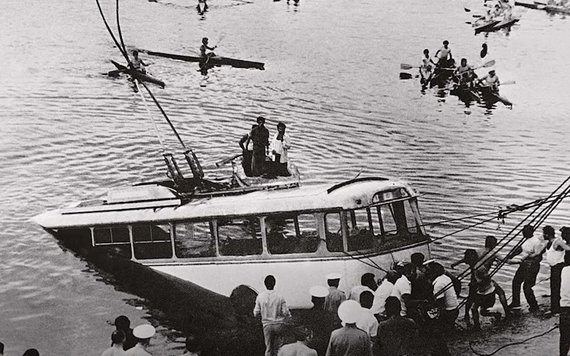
point(213, 60)
point(506, 23)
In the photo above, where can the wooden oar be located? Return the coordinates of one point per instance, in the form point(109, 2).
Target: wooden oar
point(486, 65)
point(405, 66)
point(509, 82)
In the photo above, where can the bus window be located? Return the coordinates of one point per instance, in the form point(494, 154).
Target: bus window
point(388, 222)
point(194, 240)
point(239, 236)
point(360, 230)
point(333, 232)
point(152, 241)
point(113, 235)
point(291, 234)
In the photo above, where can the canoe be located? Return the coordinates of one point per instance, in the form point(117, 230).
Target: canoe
point(213, 61)
point(488, 94)
point(526, 4)
point(138, 75)
point(487, 26)
point(542, 6)
point(505, 23)
point(465, 94)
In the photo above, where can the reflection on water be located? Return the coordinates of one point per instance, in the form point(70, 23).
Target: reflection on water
point(331, 75)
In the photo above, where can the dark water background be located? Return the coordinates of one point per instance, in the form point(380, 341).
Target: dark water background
point(331, 75)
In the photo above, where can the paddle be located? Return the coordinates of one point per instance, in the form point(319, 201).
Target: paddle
point(405, 66)
point(486, 65)
point(509, 82)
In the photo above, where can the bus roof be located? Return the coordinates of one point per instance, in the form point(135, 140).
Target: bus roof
point(352, 194)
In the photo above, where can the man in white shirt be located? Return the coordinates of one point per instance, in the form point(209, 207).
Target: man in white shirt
point(565, 307)
point(529, 265)
point(446, 302)
point(367, 283)
point(555, 257)
point(274, 314)
point(383, 292)
point(143, 333)
point(280, 147)
point(403, 287)
point(367, 321)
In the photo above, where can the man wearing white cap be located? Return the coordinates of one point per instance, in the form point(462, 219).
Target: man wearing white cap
point(403, 287)
point(319, 320)
point(274, 313)
point(335, 297)
point(349, 340)
point(143, 333)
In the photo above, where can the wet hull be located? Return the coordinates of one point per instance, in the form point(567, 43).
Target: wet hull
point(212, 61)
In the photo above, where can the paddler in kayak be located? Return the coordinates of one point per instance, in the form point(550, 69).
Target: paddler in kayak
point(465, 74)
point(491, 81)
point(205, 47)
point(138, 63)
point(426, 67)
point(444, 56)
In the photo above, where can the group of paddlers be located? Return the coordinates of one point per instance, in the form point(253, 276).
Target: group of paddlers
point(256, 147)
point(463, 76)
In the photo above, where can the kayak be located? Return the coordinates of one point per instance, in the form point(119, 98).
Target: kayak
point(486, 26)
point(465, 94)
point(488, 93)
point(545, 7)
point(505, 23)
point(138, 75)
point(213, 60)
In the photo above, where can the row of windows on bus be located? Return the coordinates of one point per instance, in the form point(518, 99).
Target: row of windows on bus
point(380, 226)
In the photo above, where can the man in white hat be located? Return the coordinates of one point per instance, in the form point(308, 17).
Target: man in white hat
point(143, 333)
point(349, 340)
point(319, 320)
point(403, 287)
point(335, 297)
point(272, 308)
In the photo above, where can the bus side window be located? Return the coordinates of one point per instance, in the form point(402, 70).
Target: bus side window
point(333, 230)
point(239, 236)
point(360, 230)
point(152, 241)
point(194, 240)
point(291, 234)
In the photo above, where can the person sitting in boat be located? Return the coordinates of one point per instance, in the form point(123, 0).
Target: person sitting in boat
point(205, 47)
point(426, 67)
point(465, 74)
point(491, 80)
point(138, 63)
point(279, 147)
point(444, 55)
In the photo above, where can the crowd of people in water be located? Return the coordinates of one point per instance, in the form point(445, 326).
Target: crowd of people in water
point(256, 149)
point(416, 304)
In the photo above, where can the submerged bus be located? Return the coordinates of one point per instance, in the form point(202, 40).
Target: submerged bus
point(299, 234)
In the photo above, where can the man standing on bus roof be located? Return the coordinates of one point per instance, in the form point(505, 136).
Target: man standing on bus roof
point(272, 308)
point(335, 297)
point(260, 137)
point(246, 145)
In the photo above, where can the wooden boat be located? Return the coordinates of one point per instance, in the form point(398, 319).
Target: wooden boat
point(137, 74)
point(212, 61)
point(506, 23)
point(490, 95)
point(486, 25)
point(542, 6)
point(465, 94)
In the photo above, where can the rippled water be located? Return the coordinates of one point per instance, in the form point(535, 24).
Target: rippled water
point(331, 74)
